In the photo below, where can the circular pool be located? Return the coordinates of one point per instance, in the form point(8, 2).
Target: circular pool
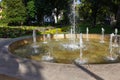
point(93, 51)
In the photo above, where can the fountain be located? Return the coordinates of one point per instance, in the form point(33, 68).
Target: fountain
point(54, 15)
point(87, 31)
point(74, 21)
point(102, 37)
point(44, 37)
point(115, 40)
point(48, 57)
point(111, 56)
point(35, 46)
point(34, 36)
point(56, 35)
point(54, 51)
point(70, 46)
point(80, 60)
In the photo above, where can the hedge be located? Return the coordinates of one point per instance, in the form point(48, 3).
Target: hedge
point(13, 32)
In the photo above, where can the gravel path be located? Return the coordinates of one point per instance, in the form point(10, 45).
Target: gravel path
point(25, 69)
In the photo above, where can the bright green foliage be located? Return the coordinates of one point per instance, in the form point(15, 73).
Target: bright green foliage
point(31, 9)
point(53, 31)
point(3, 13)
point(15, 12)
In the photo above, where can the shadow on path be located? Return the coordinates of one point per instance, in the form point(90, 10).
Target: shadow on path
point(30, 70)
point(21, 68)
point(89, 72)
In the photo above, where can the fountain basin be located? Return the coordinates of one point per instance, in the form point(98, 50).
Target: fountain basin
point(95, 52)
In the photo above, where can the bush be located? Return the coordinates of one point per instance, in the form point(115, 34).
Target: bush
point(95, 30)
point(53, 31)
point(13, 32)
point(65, 28)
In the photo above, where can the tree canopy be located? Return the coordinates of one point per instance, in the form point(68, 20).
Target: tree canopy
point(92, 11)
point(95, 11)
point(46, 7)
point(15, 12)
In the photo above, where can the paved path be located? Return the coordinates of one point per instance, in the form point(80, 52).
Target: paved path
point(25, 69)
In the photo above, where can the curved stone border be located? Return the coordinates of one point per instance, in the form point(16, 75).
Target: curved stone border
point(25, 69)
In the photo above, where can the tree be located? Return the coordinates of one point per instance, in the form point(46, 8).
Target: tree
point(91, 9)
point(117, 2)
point(114, 6)
point(85, 10)
point(15, 12)
point(31, 11)
point(46, 7)
point(97, 10)
point(118, 18)
point(3, 14)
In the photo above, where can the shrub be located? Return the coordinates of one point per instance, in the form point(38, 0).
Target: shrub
point(52, 31)
point(13, 32)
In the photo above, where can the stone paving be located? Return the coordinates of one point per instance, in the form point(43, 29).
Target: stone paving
point(25, 69)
